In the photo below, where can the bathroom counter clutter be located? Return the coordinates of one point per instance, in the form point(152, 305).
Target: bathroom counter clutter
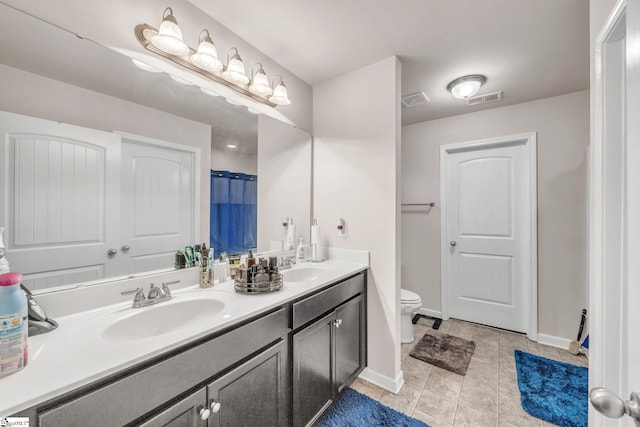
point(92, 345)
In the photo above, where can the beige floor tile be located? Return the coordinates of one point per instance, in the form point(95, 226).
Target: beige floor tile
point(429, 420)
point(469, 417)
point(487, 396)
point(441, 406)
point(510, 411)
point(368, 389)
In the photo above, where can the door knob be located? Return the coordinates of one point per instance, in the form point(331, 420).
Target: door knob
point(112, 252)
point(453, 243)
point(611, 405)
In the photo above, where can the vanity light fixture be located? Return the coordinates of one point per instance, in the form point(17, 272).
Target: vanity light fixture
point(260, 82)
point(169, 36)
point(234, 72)
point(167, 42)
point(279, 96)
point(466, 86)
point(207, 56)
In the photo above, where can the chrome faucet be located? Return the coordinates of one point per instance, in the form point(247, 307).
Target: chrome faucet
point(287, 262)
point(156, 295)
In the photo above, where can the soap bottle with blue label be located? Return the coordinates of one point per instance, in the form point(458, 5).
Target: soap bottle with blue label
point(13, 324)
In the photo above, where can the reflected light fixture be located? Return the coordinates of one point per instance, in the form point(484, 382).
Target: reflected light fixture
point(209, 92)
point(260, 82)
point(234, 72)
point(207, 56)
point(144, 66)
point(280, 96)
point(169, 36)
point(466, 86)
point(167, 42)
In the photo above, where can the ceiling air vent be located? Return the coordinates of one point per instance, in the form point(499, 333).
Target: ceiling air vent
point(415, 99)
point(485, 99)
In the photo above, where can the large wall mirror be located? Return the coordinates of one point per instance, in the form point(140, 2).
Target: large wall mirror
point(50, 74)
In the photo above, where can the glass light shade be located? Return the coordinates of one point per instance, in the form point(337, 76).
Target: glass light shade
point(144, 66)
point(169, 37)
point(260, 84)
point(466, 86)
point(206, 57)
point(209, 92)
point(279, 96)
point(234, 72)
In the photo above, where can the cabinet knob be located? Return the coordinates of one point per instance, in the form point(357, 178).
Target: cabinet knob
point(337, 323)
point(204, 413)
point(125, 248)
point(215, 406)
point(112, 252)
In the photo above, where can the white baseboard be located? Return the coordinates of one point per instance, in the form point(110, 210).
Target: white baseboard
point(387, 383)
point(554, 341)
point(430, 312)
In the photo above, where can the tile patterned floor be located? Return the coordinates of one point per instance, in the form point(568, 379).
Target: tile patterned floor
point(487, 396)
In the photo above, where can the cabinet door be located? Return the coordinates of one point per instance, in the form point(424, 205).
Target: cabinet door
point(185, 413)
point(349, 349)
point(313, 389)
point(254, 394)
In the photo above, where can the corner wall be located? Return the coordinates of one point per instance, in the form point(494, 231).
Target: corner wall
point(562, 126)
point(356, 177)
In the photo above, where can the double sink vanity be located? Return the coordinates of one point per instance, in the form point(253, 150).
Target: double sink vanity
point(206, 357)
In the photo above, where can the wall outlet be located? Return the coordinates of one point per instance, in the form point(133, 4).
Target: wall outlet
point(342, 228)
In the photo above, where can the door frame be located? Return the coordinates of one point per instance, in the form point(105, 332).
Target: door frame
point(530, 143)
point(598, 233)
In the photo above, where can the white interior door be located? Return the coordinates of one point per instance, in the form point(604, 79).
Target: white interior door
point(159, 202)
point(488, 233)
point(59, 189)
point(615, 211)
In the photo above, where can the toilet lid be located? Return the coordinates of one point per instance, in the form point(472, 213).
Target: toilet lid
point(408, 296)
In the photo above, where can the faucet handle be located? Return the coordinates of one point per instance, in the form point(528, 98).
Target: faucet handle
point(165, 287)
point(154, 292)
point(138, 291)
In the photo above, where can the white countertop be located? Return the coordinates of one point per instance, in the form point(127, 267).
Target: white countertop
point(75, 354)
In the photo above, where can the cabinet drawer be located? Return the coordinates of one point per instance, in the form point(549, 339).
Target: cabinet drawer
point(314, 306)
point(135, 395)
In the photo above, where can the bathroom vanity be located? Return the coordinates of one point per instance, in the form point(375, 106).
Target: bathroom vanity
point(277, 359)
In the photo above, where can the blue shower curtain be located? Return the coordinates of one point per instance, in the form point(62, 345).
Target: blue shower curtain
point(234, 214)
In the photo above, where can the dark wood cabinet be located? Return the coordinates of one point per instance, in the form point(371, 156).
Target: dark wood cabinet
point(330, 352)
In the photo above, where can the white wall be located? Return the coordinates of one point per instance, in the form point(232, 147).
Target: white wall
point(284, 181)
point(232, 161)
point(562, 126)
point(111, 23)
point(36, 96)
point(356, 124)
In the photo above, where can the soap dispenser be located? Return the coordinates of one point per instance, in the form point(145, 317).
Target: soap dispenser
point(300, 250)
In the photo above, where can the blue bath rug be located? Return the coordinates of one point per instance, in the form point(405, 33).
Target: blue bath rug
point(353, 409)
point(553, 391)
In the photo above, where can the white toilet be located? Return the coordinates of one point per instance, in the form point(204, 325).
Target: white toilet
point(410, 302)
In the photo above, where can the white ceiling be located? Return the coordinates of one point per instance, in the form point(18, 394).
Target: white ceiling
point(530, 49)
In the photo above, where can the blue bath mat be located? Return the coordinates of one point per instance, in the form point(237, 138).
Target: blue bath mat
point(353, 409)
point(553, 391)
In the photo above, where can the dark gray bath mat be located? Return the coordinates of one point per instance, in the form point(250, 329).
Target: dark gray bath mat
point(444, 351)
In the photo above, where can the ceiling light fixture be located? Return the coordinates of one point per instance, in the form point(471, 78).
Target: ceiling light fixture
point(466, 86)
point(167, 42)
point(169, 36)
point(207, 56)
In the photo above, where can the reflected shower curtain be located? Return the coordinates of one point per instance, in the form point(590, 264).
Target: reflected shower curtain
point(234, 214)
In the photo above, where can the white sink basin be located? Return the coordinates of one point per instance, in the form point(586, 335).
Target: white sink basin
point(303, 273)
point(162, 318)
